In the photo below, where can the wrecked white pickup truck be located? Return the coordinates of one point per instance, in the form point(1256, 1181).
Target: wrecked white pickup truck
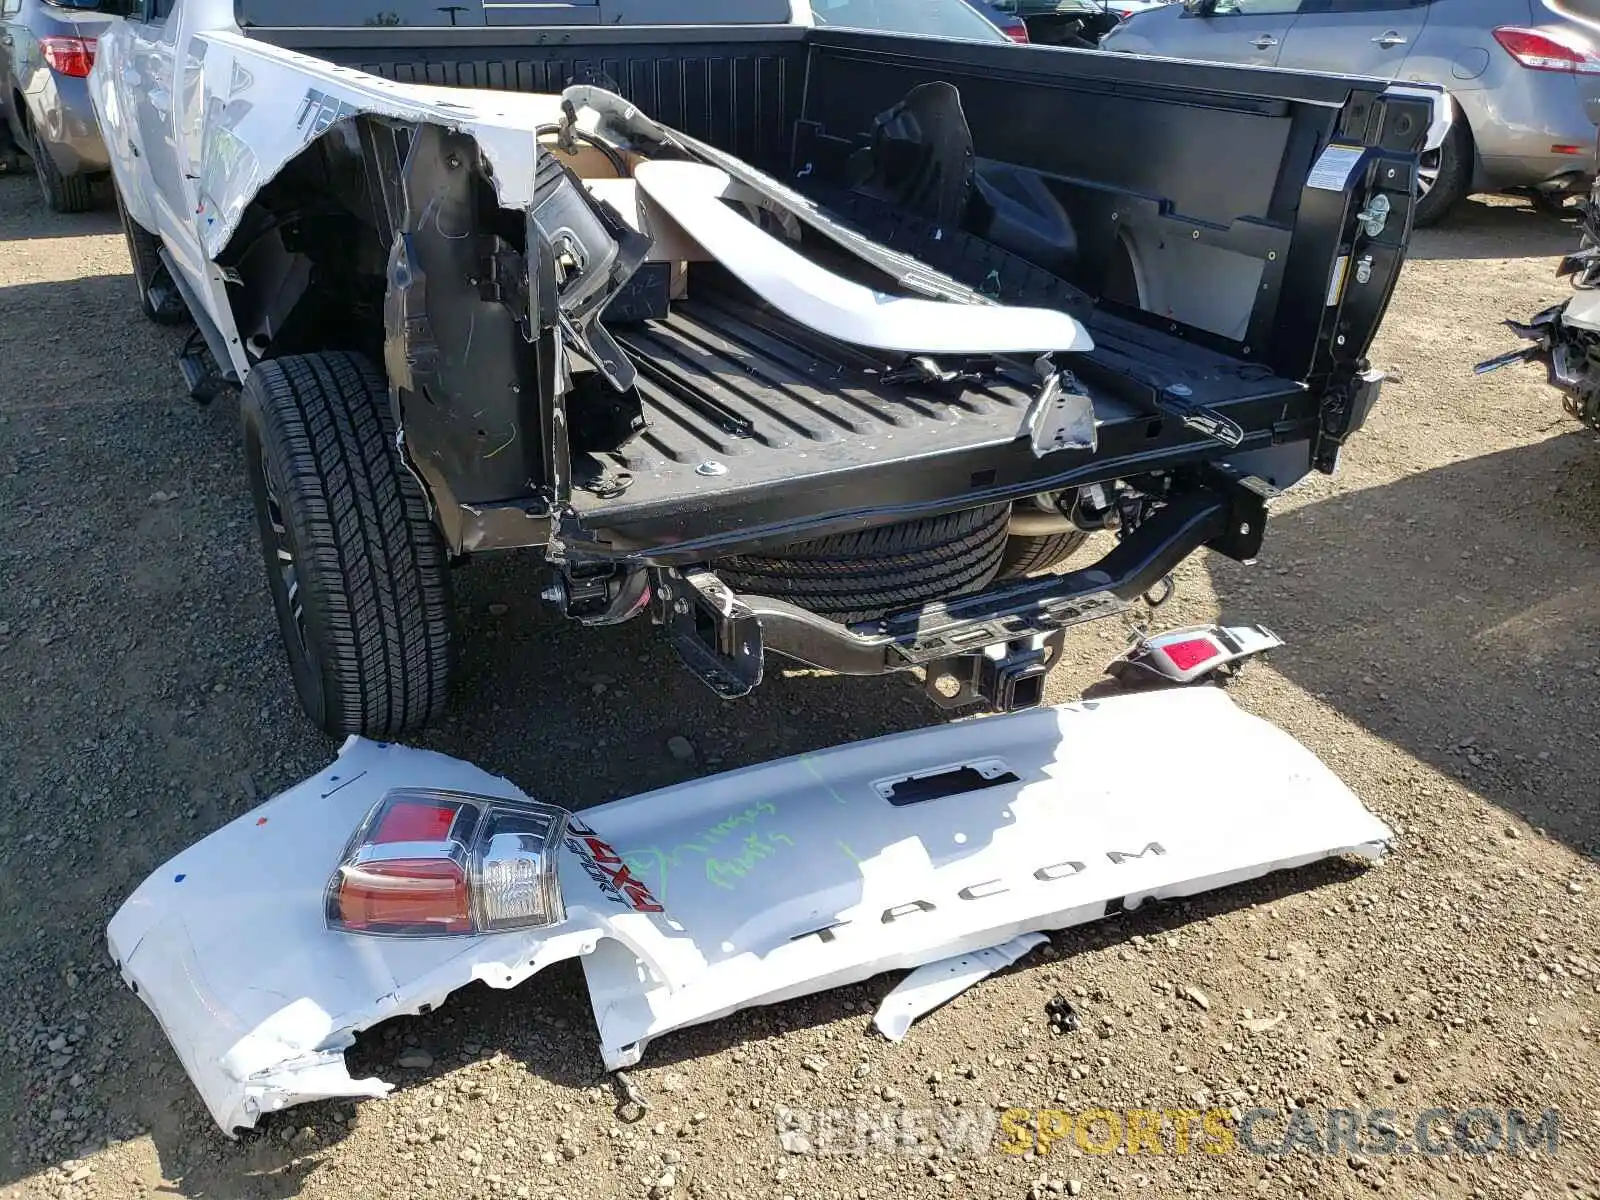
point(798, 339)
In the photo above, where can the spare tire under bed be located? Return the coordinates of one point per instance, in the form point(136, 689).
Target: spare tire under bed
point(862, 575)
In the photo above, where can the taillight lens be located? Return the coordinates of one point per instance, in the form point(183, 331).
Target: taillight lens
point(1017, 33)
point(72, 56)
point(1548, 49)
point(1186, 655)
point(434, 863)
point(421, 896)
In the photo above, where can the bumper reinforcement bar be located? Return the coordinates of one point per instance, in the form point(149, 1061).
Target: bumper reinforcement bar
point(995, 645)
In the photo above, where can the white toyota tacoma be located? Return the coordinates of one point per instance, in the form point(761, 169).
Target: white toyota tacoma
point(801, 340)
point(797, 338)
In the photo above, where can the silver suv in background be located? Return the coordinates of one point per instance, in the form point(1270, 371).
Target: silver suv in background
point(1523, 73)
point(47, 48)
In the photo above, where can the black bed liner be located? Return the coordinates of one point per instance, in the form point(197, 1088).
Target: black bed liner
point(743, 404)
point(759, 434)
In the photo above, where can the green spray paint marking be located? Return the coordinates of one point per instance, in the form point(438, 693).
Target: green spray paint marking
point(653, 864)
point(805, 760)
point(755, 848)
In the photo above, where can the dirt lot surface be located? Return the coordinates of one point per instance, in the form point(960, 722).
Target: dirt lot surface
point(1444, 658)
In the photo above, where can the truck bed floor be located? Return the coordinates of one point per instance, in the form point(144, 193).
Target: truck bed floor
point(745, 407)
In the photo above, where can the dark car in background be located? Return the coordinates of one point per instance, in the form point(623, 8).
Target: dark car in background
point(1010, 24)
point(1076, 23)
point(46, 50)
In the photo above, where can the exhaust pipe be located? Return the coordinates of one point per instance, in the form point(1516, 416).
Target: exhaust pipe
point(1039, 516)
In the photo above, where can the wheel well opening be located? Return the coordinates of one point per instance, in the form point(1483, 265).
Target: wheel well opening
point(307, 263)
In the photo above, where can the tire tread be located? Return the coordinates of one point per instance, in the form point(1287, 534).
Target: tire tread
point(366, 542)
point(861, 575)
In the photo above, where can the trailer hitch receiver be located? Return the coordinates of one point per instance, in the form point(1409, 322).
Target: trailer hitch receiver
point(1007, 676)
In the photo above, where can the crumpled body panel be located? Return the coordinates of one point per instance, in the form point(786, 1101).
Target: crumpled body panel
point(746, 888)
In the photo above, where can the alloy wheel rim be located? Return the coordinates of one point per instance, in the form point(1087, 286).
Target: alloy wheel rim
point(283, 557)
point(1428, 168)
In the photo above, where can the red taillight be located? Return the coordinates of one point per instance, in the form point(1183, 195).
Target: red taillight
point(428, 863)
point(1548, 50)
point(72, 56)
point(1017, 33)
point(405, 894)
point(414, 821)
point(1188, 655)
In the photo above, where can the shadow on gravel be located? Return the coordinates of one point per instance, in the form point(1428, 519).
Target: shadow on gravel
point(1153, 920)
point(66, 344)
point(1498, 231)
point(580, 716)
point(1454, 613)
point(26, 217)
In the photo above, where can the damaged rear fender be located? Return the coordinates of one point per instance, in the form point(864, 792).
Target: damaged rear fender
point(231, 993)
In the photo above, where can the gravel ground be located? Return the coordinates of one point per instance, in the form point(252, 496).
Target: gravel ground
point(1444, 659)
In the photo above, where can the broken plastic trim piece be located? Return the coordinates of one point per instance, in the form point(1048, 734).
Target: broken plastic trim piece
point(926, 988)
point(748, 888)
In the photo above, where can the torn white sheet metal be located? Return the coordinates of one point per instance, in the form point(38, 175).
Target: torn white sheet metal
point(247, 108)
point(936, 983)
point(693, 194)
point(746, 888)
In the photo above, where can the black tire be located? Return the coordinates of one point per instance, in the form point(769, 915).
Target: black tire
point(159, 297)
point(1451, 169)
point(358, 574)
point(1025, 554)
point(63, 193)
point(859, 576)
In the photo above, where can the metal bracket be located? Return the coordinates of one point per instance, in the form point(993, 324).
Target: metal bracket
point(713, 630)
point(1061, 416)
point(1248, 497)
point(1345, 405)
point(1215, 425)
point(504, 280)
point(607, 597)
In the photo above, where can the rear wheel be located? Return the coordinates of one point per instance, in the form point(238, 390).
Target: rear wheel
point(859, 576)
point(358, 574)
point(63, 193)
point(1444, 176)
point(158, 295)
